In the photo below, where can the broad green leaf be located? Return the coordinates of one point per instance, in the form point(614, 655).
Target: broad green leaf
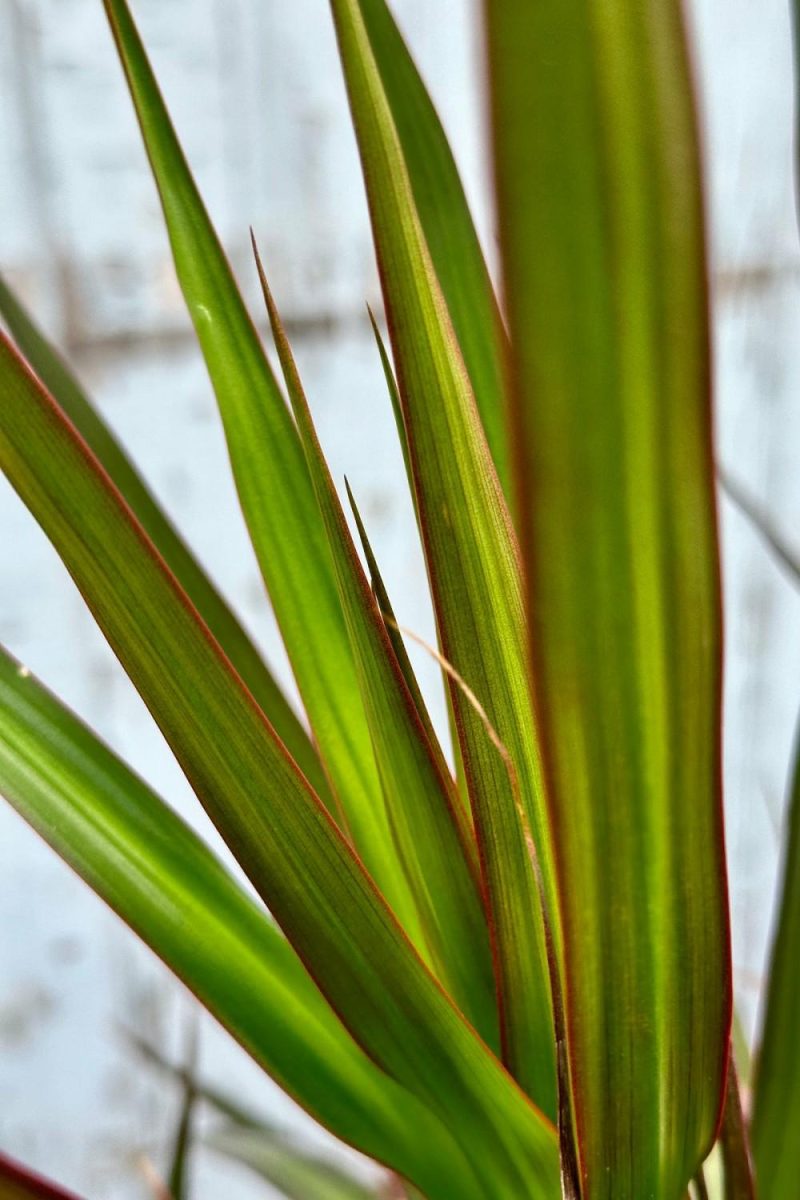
point(18, 1183)
point(437, 853)
point(275, 490)
point(293, 853)
point(473, 569)
point(296, 1174)
point(163, 881)
point(61, 383)
point(601, 230)
point(776, 1103)
point(447, 225)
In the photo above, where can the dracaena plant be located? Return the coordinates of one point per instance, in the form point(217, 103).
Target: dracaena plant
point(512, 980)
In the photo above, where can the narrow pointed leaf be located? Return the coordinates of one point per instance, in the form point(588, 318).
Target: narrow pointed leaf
point(439, 858)
point(473, 569)
point(296, 1174)
point(61, 383)
point(602, 242)
point(776, 1094)
point(397, 409)
point(447, 224)
point(161, 879)
point(272, 479)
point(19, 1183)
point(293, 853)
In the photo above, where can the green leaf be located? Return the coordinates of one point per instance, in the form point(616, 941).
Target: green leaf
point(600, 217)
point(447, 225)
point(437, 853)
point(163, 881)
point(297, 1174)
point(61, 383)
point(775, 1131)
point(473, 569)
point(295, 856)
point(18, 1183)
point(274, 487)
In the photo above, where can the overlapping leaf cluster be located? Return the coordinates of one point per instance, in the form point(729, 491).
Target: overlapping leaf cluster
point(517, 979)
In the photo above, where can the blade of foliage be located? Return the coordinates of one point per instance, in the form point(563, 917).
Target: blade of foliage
point(775, 1129)
point(160, 878)
point(438, 856)
point(293, 853)
point(297, 1174)
point(447, 224)
point(772, 536)
point(397, 410)
point(61, 383)
point(19, 1183)
point(395, 637)
point(739, 1183)
point(603, 254)
point(274, 486)
point(473, 570)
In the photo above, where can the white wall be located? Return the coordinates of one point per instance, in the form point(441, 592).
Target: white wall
point(255, 90)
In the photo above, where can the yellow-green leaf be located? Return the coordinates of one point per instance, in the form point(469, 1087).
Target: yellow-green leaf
point(601, 230)
point(473, 569)
point(776, 1093)
point(59, 380)
point(139, 856)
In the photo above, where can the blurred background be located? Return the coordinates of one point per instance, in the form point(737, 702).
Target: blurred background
point(255, 91)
